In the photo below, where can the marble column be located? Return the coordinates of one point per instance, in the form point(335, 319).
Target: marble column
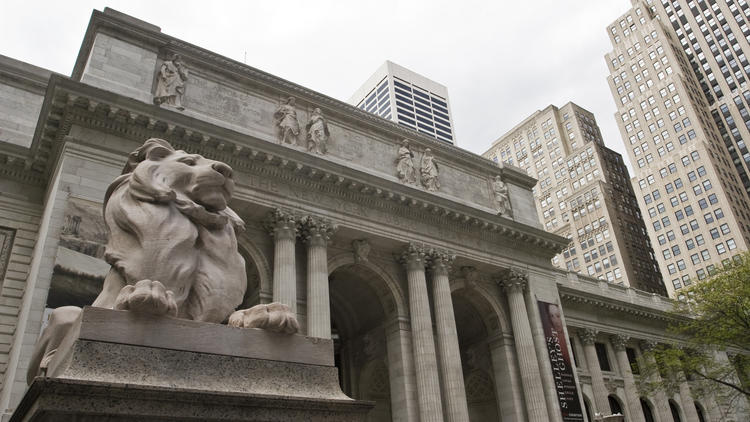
point(661, 401)
point(686, 398)
point(601, 401)
point(514, 282)
point(316, 232)
point(283, 227)
point(425, 361)
point(633, 404)
point(454, 392)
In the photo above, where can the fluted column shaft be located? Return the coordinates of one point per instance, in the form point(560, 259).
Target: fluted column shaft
point(515, 283)
point(661, 401)
point(454, 392)
point(316, 233)
point(425, 363)
point(283, 227)
point(631, 391)
point(686, 397)
point(597, 380)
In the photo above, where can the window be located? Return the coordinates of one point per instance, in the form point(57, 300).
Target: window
point(724, 228)
point(699, 240)
point(709, 218)
point(601, 354)
point(705, 255)
point(731, 244)
point(690, 244)
point(719, 213)
point(695, 259)
point(714, 233)
point(720, 248)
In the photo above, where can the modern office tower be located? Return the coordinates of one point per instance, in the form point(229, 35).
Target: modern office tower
point(679, 79)
point(584, 194)
point(409, 99)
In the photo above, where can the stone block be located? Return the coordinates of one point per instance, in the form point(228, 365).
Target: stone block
point(119, 365)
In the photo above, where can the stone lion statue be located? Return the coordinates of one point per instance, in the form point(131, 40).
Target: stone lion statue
point(172, 248)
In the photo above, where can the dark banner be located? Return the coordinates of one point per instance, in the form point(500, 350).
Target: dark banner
point(562, 369)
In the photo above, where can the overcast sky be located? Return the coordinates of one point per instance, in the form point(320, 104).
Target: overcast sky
point(501, 60)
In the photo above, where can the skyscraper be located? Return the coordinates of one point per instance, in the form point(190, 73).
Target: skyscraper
point(398, 94)
point(679, 78)
point(584, 194)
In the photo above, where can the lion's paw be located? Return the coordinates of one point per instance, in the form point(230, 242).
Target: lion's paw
point(275, 316)
point(147, 297)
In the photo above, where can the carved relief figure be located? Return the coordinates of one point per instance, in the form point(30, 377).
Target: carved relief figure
point(172, 248)
point(502, 199)
point(429, 171)
point(317, 132)
point(170, 83)
point(405, 164)
point(286, 122)
point(361, 250)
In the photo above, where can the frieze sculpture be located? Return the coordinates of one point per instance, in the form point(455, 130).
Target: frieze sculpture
point(405, 164)
point(428, 170)
point(172, 248)
point(287, 124)
point(502, 199)
point(170, 83)
point(317, 132)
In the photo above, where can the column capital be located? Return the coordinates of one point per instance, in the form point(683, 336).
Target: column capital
point(282, 224)
point(649, 345)
point(440, 261)
point(619, 341)
point(588, 335)
point(513, 280)
point(414, 256)
point(317, 231)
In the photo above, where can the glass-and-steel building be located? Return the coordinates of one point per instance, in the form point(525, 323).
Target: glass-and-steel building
point(409, 99)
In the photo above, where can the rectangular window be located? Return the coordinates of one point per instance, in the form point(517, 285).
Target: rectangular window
point(601, 354)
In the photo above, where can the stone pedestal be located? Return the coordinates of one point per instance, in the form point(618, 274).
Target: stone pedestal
point(120, 366)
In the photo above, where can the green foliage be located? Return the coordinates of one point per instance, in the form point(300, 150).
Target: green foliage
point(714, 317)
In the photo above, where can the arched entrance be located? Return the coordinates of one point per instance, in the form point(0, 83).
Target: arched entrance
point(361, 307)
point(648, 413)
point(675, 409)
point(614, 404)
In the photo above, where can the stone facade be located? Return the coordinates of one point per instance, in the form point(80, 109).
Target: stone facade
point(429, 296)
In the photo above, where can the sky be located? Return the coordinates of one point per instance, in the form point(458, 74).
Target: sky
point(501, 60)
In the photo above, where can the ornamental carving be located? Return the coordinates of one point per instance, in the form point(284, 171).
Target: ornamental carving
point(649, 345)
point(361, 249)
point(619, 341)
point(317, 133)
point(405, 164)
point(513, 279)
point(428, 170)
point(287, 125)
point(414, 256)
point(471, 276)
point(282, 224)
point(588, 335)
point(170, 83)
point(316, 230)
point(440, 261)
point(501, 197)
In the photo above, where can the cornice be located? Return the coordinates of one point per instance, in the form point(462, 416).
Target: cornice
point(574, 296)
point(69, 102)
point(230, 69)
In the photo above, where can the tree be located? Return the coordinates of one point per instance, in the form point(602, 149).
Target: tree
point(713, 316)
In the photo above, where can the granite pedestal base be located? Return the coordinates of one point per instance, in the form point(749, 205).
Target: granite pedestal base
point(117, 366)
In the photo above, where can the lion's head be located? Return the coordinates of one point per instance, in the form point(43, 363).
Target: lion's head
point(200, 187)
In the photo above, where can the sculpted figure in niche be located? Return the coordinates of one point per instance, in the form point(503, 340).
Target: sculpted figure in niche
point(502, 200)
point(286, 122)
point(170, 83)
point(172, 248)
point(405, 164)
point(317, 132)
point(429, 171)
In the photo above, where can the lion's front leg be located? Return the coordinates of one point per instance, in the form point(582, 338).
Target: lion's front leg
point(147, 297)
point(275, 316)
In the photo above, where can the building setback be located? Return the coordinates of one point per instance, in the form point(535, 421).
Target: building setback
point(679, 79)
point(396, 93)
point(583, 194)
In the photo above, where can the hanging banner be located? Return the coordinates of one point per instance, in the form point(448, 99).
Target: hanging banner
point(559, 358)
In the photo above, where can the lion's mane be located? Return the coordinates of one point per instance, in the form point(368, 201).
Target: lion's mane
point(159, 232)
